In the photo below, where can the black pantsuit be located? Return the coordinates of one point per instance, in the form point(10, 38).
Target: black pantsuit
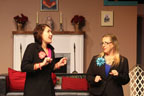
point(38, 82)
point(111, 85)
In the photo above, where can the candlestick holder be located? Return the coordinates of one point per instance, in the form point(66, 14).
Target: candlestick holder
point(37, 24)
point(61, 27)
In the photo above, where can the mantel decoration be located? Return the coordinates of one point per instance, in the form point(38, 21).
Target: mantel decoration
point(49, 21)
point(78, 22)
point(21, 21)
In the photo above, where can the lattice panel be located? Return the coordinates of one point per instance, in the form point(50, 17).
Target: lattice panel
point(137, 82)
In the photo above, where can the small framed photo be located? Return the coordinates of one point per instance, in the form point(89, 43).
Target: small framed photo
point(106, 18)
point(49, 5)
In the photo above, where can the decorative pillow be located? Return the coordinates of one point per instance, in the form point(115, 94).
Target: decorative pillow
point(53, 75)
point(69, 83)
point(16, 80)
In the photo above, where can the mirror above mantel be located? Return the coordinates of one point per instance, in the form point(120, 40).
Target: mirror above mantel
point(63, 43)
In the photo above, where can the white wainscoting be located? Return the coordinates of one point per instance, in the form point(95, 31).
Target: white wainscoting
point(63, 43)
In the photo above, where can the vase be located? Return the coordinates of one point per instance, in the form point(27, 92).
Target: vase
point(76, 27)
point(50, 22)
point(19, 27)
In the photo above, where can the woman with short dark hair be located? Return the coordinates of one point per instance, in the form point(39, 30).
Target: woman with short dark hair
point(39, 62)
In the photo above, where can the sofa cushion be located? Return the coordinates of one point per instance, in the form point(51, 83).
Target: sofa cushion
point(69, 83)
point(54, 78)
point(16, 80)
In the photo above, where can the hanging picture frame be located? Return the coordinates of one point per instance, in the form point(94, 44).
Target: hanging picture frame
point(120, 2)
point(106, 18)
point(49, 5)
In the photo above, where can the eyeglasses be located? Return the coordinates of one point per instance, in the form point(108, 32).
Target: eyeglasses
point(106, 43)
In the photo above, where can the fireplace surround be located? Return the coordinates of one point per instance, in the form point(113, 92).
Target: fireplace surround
point(67, 44)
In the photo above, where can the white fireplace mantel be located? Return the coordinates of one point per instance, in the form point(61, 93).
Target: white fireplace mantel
point(63, 42)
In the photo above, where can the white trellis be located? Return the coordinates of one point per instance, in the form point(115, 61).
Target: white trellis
point(136, 82)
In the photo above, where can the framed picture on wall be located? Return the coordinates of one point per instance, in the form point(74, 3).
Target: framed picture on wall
point(49, 5)
point(106, 18)
point(120, 2)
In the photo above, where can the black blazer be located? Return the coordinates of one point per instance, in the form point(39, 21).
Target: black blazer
point(111, 85)
point(38, 82)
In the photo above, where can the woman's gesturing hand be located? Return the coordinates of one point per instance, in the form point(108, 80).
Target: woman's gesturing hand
point(47, 60)
point(98, 78)
point(114, 73)
point(62, 62)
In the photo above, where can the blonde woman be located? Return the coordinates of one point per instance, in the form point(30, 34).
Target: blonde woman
point(108, 71)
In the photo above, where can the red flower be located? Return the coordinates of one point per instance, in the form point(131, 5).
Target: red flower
point(75, 19)
point(78, 20)
point(23, 19)
point(41, 54)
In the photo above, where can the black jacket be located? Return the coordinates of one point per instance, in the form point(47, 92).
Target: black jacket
point(111, 85)
point(38, 82)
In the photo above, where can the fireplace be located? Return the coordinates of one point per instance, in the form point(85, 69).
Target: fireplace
point(67, 44)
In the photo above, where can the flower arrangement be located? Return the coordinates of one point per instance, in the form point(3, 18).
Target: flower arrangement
point(80, 20)
point(100, 61)
point(21, 19)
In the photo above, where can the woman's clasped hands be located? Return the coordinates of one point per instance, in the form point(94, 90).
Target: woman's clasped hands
point(113, 72)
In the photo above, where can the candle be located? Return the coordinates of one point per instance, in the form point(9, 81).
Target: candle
point(60, 17)
point(37, 18)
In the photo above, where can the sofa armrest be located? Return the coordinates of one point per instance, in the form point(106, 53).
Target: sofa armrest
point(3, 85)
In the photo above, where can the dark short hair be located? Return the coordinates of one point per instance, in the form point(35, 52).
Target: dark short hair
point(38, 30)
